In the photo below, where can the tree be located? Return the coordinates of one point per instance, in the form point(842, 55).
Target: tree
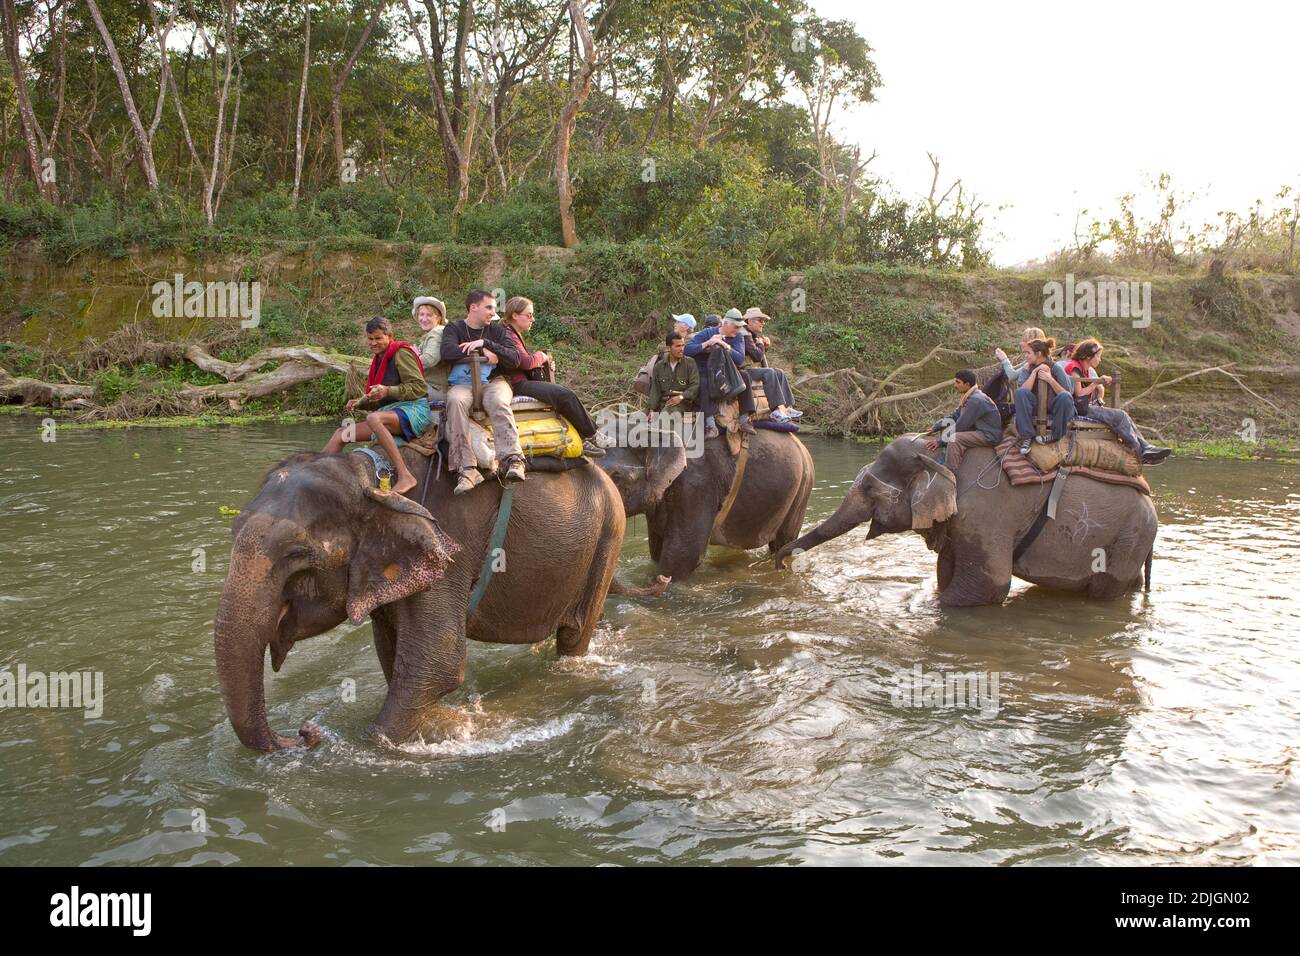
point(128, 101)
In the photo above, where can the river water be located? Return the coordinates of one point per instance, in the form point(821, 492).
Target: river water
point(750, 716)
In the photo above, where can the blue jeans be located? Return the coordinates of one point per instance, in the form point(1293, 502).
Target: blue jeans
point(1121, 424)
point(1060, 408)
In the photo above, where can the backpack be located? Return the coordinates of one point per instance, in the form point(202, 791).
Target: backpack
point(644, 377)
point(724, 378)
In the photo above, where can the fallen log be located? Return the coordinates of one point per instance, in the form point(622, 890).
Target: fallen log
point(30, 391)
point(235, 371)
point(284, 377)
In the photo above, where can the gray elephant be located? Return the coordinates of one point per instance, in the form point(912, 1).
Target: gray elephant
point(681, 496)
point(318, 545)
point(1100, 541)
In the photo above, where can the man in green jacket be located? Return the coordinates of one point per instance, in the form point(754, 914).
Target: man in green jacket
point(675, 382)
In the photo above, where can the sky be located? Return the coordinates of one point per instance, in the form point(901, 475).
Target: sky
point(1049, 108)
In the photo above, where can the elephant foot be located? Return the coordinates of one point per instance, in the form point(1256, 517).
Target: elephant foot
point(654, 590)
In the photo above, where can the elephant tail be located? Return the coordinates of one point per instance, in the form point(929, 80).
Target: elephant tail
point(654, 590)
point(1146, 571)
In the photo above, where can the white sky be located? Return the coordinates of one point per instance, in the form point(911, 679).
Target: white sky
point(1052, 107)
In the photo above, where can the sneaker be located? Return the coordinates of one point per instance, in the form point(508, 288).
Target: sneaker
point(779, 417)
point(469, 479)
point(1044, 439)
point(745, 425)
point(1025, 445)
point(592, 448)
point(515, 468)
point(1151, 455)
point(794, 413)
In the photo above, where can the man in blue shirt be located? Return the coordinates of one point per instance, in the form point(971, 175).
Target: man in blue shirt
point(726, 336)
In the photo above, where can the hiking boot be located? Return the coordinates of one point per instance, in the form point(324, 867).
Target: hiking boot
point(745, 425)
point(592, 448)
point(711, 431)
point(469, 479)
point(1151, 455)
point(514, 468)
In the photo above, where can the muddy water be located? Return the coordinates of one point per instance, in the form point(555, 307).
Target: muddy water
point(752, 716)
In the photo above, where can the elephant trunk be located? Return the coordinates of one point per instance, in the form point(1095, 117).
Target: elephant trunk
point(853, 510)
point(247, 619)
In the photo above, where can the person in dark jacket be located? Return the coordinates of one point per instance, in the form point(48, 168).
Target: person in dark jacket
point(780, 399)
point(516, 320)
point(726, 336)
point(975, 423)
point(397, 393)
point(475, 333)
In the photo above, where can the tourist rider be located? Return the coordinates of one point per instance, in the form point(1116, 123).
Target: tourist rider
point(1040, 367)
point(1089, 392)
point(676, 382)
point(517, 319)
point(396, 390)
point(726, 336)
point(975, 423)
point(780, 399)
point(476, 333)
point(430, 315)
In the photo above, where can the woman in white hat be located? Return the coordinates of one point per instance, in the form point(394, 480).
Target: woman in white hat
point(780, 399)
point(430, 315)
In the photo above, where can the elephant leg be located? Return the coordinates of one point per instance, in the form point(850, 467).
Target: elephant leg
point(793, 522)
point(385, 640)
point(573, 641)
point(428, 664)
point(945, 564)
point(981, 572)
point(1122, 563)
point(685, 543)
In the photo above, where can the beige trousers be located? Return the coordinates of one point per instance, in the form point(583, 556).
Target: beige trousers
point(957, 447)
point(496, 402)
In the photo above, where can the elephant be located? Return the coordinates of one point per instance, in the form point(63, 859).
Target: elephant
point(1099, 542)
point(681, 495)
point(318, 545)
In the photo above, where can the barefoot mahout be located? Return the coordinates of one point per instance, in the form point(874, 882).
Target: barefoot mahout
point(319, 545)
point(682, 496)
point(396, 389)
point(980, 525)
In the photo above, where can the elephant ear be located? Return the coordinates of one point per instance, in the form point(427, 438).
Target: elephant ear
point(401, 551)
point(933, 494)
point(663, 467)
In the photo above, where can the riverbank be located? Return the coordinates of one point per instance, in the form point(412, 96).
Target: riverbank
point(1215, 363)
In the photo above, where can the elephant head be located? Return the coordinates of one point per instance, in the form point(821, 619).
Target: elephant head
point(317, 545)
point(643, 464)
point(904, 489)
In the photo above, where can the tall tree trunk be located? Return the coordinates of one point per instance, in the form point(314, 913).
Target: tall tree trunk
point(142, 138)
point(336, 99)
point(302, 99)
point(33, 135)
point(579, 90)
